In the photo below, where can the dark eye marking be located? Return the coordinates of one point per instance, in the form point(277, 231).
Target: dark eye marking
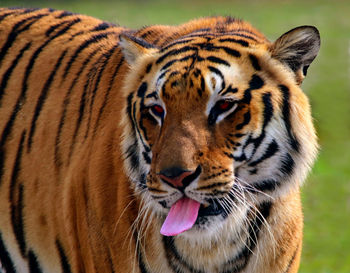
point(153, 95)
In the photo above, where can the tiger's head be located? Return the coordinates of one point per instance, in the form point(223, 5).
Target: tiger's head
point(217, 120)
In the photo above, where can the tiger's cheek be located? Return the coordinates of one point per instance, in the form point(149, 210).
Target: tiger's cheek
point(150, 128)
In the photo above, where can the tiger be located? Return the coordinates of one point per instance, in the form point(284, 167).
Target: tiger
point(173, 149)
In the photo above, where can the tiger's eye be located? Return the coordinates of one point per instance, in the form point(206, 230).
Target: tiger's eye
point(157, 109)
point(224, 105)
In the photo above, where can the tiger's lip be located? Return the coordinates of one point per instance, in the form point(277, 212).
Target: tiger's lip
point(210, 210)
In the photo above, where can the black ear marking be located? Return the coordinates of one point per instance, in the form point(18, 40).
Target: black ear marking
point(297, 49)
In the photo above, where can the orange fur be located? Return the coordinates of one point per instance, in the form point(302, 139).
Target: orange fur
point(68, 197)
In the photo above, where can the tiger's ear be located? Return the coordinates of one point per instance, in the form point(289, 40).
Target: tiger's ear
point(133, 48)
point(297, 49)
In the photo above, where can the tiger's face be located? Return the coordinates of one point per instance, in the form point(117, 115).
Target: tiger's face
point(212, 128)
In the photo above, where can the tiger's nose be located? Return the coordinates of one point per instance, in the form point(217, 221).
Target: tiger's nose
point(178, 177)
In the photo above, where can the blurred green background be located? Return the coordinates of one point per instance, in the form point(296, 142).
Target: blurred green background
point(326, 194)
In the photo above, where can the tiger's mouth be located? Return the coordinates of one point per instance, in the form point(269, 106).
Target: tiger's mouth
point(186, 213)
point(213, 209)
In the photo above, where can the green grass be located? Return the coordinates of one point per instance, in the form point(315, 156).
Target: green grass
point(326, 194)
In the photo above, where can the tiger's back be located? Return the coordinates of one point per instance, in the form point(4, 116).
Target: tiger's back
point(53, 63)
point(80, 151)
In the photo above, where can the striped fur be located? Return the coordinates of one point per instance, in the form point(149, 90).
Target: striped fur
point(91, 113)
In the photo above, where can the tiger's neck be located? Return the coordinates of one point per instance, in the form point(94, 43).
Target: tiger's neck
point(236, 247)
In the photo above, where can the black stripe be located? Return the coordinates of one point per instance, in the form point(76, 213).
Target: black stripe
point(175, 260)
point(164, 67)
point(270, 151)
point(132, 149)
point(2, 163)
point(33, 263)
point(141, 263)
point(229, 90)
point(292, 259)
point(148, 68)
point(218, 60)
point(264, 185)
point(256, 82)
point(267, 115)
point(286, 117)
point(231, 51)
point(21, 10)
point(237, 41)
point(175, 52)
point(93, 40)
point(132, 154)
point(5, 259)
point(211, 47)
point(140, 42)
point(81, 111)
point(214, 185)
point(66, 102)
point(142, 90)
point(54, 27)
point(161, 76)
point(22, 97)
point(244, 36)
point(110, 85)
point(287, 164)
point(6, 132)
point(175, 44)
point(65, 14)
point(102, 26)
point(7, 74)
point(255, 62)
point(3, 16)
point(42, 98)
point(147, 149)
point(202, 89)
point(241, 260)
point(195, 57)
point(39, 50)
point(246, 120)
point(268, 109)
point(218, 72)
point(16, 199)
point(106, 56)
point(153, 95)
point(63, 258)
point(144, 35)
point(87, 89)
point(16, 30)
point(65, 29)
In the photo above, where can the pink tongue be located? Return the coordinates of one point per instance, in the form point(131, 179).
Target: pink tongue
point(181, 217)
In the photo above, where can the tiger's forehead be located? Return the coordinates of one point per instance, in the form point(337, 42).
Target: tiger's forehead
point(201, 68)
